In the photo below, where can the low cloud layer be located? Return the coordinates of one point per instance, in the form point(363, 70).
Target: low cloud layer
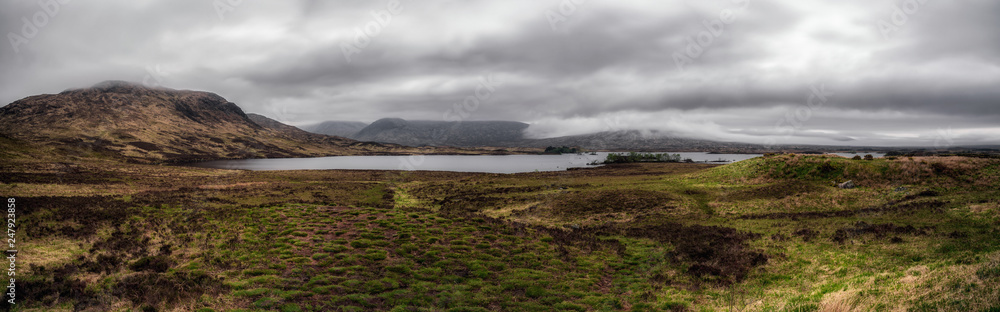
point(886, 72)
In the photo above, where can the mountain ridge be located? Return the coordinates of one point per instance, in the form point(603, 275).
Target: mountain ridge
point(470, 134)
point(157, 125)
point(512, 134)
point(442, 133)
point(641, 140)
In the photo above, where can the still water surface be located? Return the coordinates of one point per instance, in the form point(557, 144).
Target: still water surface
point(459, 163)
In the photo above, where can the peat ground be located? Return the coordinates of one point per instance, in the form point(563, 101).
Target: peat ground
point(767, 234)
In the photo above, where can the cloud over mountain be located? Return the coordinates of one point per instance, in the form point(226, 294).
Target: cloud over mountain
point(898, 72)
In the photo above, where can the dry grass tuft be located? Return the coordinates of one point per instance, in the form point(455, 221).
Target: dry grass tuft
point(841, 301)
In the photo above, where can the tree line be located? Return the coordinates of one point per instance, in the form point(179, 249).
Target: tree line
point(633, 157)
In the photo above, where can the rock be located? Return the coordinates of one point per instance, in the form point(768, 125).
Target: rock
point(900, 189)
point(846, 185)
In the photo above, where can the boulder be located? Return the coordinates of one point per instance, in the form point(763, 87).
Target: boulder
point(846, 185)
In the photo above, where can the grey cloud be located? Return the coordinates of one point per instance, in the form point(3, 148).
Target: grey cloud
point(801, 134)
point(284, 59)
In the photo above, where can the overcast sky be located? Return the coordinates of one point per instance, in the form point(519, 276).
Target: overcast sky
point(859, 72)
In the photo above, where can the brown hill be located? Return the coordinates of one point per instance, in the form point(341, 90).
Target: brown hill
point(292, 131)
point(269, 123)
point(154, 125)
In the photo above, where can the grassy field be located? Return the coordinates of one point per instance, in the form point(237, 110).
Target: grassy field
point(766, 234)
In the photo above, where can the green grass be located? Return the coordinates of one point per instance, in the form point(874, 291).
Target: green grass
point(584, 240)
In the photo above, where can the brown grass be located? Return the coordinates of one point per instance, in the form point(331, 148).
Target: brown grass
point(841, 301)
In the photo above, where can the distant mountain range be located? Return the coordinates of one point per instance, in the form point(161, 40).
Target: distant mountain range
point(512, 134)
point(427, 133)
point(440, 133)
point(153, 125)
point(345, 129)
point(160, 125)
point(636, 140)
